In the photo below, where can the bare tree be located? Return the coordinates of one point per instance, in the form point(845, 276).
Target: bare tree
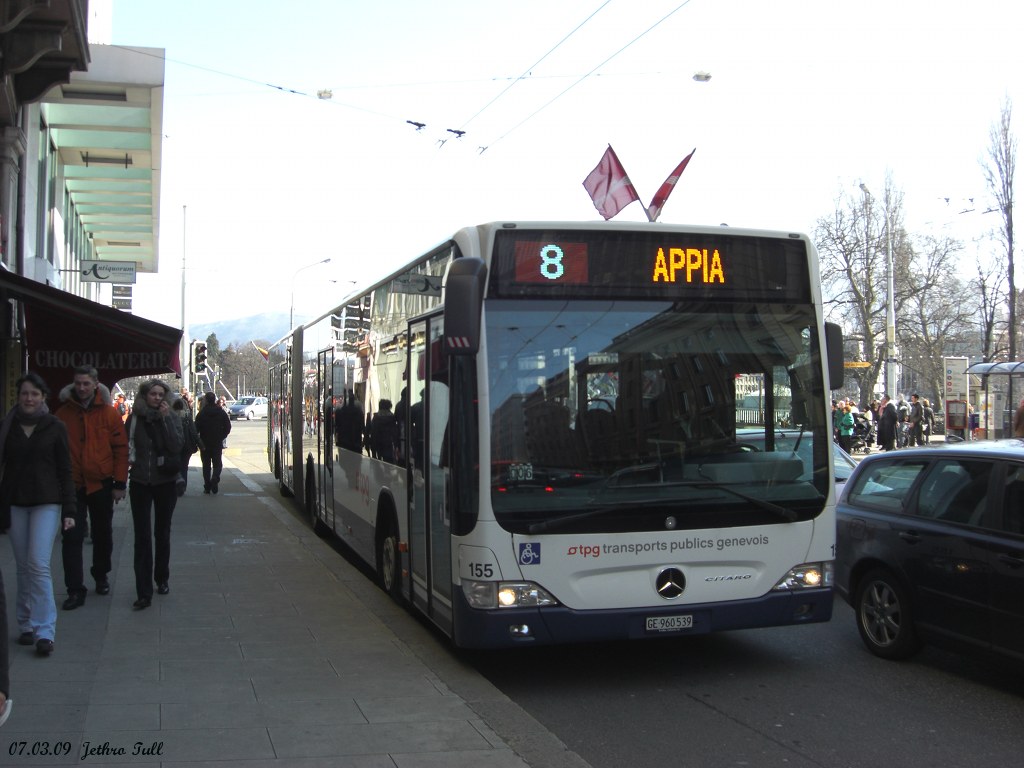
point(243, 366)
point(988, 287)
point(999, 174)
point(853, 244)
point(937, 316)
point(933, 313)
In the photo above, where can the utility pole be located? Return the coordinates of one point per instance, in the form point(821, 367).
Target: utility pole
point(186, 365)
point(889, 368)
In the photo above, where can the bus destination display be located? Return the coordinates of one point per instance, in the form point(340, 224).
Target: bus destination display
point(640, 264)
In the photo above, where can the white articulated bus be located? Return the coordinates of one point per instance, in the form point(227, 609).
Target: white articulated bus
point(564, 455)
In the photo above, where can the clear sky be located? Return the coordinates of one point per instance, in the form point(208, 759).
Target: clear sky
point(806, 100)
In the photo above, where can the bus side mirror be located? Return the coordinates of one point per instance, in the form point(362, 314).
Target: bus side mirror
point(834, 350)
point(463, 301)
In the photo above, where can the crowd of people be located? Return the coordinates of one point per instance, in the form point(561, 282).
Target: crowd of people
point(65, 471)
point(893, 424)
point(886, 423)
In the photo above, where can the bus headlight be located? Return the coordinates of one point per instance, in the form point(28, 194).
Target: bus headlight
point(807, 576)
point(506, 594)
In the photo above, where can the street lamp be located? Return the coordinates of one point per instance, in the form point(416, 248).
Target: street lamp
point(890, 305)
point(291, 311)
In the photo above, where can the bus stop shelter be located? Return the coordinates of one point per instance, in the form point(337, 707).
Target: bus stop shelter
point(1003, 424)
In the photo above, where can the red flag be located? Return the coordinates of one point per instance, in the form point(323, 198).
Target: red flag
point(658, 202)
point(609, 186)
point(261, 350)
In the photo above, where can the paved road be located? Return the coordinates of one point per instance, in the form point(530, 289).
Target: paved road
point(794, 696)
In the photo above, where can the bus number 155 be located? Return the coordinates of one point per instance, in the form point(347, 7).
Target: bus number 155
point(481, 570)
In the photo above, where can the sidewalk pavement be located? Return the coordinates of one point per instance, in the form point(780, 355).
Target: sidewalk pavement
point(270, 650)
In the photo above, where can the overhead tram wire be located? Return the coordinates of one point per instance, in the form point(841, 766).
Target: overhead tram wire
point(272, 86)
point(535, 64)
point(396, 118)
point(402, 119)
point(588, 74)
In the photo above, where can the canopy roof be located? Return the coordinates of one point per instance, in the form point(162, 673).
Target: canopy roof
point(64, 331)
point(989, 369)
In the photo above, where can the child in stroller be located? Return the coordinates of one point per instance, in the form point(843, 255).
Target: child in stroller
point(863, 433)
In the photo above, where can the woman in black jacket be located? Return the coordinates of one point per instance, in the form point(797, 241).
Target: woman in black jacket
point(155, 441)
point(38, 489)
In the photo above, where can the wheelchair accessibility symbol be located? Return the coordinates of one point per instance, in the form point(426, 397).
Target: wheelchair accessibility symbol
point(529, 553)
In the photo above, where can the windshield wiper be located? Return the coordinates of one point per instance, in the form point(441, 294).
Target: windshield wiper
point(546, 525)
point(558, 522)
point(784, 512)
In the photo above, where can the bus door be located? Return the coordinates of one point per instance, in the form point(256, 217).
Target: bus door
point(426, 428)
point(325, 435)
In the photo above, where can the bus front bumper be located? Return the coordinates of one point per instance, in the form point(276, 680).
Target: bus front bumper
point(504, 628)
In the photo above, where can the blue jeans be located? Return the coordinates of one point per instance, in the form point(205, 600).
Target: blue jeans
point(33, 533)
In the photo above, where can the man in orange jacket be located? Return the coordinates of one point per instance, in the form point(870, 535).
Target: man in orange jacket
point(99, 467)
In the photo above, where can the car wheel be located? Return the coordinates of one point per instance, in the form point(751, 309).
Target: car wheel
point(248, 415)
point(884, 617)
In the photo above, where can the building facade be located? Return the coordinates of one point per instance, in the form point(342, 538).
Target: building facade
point(80, 151)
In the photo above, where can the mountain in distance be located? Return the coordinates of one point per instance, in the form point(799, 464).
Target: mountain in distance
point(270, 326)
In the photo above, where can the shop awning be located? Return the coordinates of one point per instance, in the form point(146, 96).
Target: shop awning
point(63, 331)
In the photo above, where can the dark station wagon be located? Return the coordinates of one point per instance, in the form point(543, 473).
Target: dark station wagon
point(930, 548)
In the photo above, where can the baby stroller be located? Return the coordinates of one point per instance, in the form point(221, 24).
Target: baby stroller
point(863, 434)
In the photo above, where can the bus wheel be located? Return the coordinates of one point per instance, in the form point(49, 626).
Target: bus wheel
point(314, 518)
point(884, 616)
point(389, 561)
point(285, 490)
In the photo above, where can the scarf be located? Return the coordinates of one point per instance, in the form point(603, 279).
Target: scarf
point(16, 414)
point(139, 411)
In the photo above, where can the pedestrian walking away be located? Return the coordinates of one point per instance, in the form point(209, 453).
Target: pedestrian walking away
point(38, 490)
point(155, 443)
point(99, 469)
point(213, 425)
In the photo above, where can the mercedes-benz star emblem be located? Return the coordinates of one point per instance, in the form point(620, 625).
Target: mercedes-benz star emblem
point(670, 583)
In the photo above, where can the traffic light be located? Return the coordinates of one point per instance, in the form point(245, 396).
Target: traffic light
point(199, 358)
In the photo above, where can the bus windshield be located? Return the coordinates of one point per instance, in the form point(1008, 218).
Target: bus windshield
point(612, 416)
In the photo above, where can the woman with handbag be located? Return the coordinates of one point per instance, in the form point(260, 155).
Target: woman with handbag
point(155, 441)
